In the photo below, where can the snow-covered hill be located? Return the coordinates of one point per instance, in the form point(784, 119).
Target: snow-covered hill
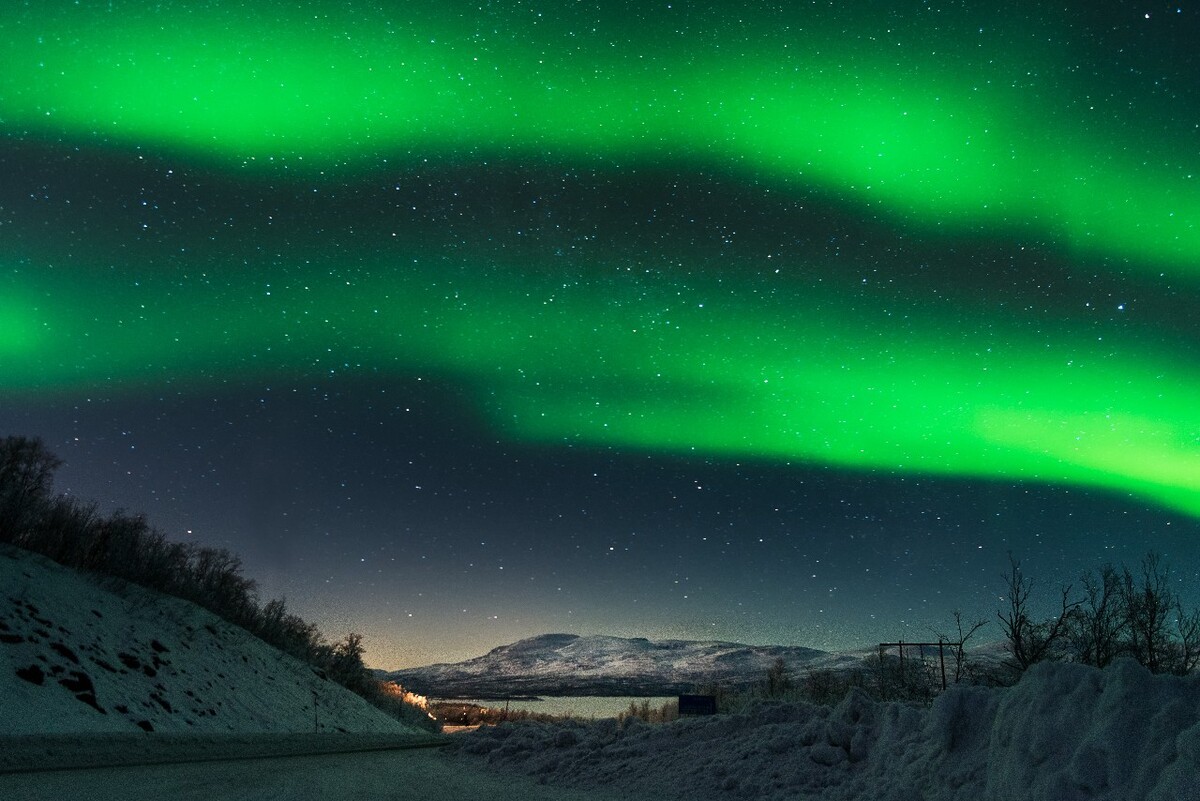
point(80, 654)
point(568, 664)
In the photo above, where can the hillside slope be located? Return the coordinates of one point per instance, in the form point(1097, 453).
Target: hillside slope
point(83, 654)
point(568, 664)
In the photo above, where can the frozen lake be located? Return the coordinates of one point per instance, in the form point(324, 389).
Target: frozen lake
point(583, 706)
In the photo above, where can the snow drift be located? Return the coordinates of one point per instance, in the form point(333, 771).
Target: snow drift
point(1066, 732)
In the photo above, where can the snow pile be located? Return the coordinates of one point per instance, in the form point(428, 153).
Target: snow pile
point(1078, 732)
point(1065, 732)
point(77, 657)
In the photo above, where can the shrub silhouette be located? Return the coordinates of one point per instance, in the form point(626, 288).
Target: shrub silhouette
point(667, 712)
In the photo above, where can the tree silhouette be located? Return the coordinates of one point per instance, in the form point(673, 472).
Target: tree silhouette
point(1030, 640)
point(26, 477)
point(1100, 622)
point(779, 679)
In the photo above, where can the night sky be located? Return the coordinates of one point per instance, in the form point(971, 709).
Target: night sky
point(462, 322)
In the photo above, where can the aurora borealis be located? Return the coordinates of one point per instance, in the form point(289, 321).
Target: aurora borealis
point(480, 289)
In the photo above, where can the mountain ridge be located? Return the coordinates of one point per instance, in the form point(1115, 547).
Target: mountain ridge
point(573, 664)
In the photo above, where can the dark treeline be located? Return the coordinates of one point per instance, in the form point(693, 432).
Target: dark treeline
point(1113, 612)
point(1118, 612)
point(122, 545)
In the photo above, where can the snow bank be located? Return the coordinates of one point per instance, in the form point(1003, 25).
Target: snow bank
point(1065, 732)
point(81, 655)
point(1073, 732)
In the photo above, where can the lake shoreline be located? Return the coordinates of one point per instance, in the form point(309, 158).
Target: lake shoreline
point(581, 706)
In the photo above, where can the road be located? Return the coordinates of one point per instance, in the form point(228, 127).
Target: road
point(427, 774)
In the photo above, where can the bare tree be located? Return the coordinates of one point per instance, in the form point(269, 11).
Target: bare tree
point(1188, 647)
point(1148, 608)
point(963, 632)
point(346, 662)
point(779, 679)
point(1030, 640)
point(1100, 620)
point(58, 528)
point(26, 477)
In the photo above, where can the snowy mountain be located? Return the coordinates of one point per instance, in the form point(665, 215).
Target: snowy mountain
point(84, 654)
point(569, 664)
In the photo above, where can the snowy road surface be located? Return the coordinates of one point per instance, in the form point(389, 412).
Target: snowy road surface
point(385, 775)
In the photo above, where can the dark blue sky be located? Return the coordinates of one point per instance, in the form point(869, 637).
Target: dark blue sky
point(203, 334)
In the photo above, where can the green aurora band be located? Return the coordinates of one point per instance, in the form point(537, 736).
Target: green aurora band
point(940, 142)
point(984, 126)
point(645, 365)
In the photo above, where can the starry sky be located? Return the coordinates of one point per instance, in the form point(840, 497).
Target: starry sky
point(463, 322)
